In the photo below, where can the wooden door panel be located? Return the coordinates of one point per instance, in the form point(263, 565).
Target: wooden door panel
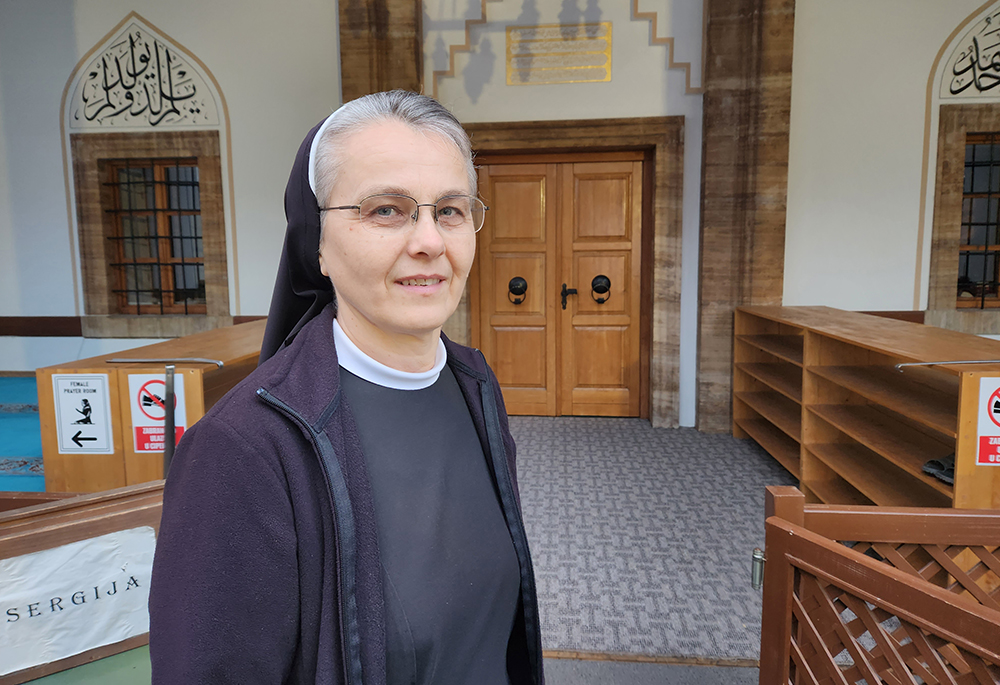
point(603, 199)
point(615, 266)
point(530, 267)
point(518, 239)
point(599, 354)
point(599, 364)
point(552, 224)
point(517, 203)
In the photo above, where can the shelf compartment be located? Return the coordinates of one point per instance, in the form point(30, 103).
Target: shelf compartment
point(932, 407)
point(777, 409)
point(838, 492)
point(889, 439)
point(877, 479)
point(784, 378)
point(784, 450)
point(787, 347)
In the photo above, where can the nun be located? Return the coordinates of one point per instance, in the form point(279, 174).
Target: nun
point(349, 513)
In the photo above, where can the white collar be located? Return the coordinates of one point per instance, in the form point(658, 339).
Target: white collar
point(361, 365)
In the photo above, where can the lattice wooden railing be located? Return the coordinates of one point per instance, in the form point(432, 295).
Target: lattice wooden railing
point(916, 603)
point(970, 571)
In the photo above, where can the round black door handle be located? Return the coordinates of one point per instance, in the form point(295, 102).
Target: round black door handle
point(600, 289)
point(517, 289)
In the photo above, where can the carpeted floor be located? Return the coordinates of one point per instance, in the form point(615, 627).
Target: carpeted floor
point(20, 436)
point(642, 537)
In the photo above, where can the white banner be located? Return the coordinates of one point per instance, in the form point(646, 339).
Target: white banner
point(64, 601)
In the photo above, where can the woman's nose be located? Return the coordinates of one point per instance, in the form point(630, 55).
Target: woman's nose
point(426, 237)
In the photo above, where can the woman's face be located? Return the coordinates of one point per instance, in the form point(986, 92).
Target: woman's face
point(406, 284)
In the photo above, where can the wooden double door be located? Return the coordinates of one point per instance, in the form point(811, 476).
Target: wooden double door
point(569, 234)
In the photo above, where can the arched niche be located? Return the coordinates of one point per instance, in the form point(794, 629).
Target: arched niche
point(140, 91)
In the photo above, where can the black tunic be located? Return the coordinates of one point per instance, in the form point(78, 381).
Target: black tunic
point(450, 573)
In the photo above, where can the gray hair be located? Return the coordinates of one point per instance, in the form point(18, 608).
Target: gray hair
point(419, 111)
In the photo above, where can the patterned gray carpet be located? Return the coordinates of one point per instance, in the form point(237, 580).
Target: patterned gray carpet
point(642, 537)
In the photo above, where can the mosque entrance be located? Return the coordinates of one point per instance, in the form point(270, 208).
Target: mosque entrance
point(556, 288)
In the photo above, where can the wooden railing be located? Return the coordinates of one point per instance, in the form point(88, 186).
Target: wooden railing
point(879, 595)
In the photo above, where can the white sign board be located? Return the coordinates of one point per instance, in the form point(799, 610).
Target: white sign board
point(988, 429)
point(64, 601)
point(83, 413)
point(146, 397)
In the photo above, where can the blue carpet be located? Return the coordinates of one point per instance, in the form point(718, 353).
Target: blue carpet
point(20, 435)
point(21, 468)
point(18, 391)
point(22, 483)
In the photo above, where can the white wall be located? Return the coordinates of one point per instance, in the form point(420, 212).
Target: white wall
point(641, 85)
point(277, 65)
point(28, 354)
point(859, 94)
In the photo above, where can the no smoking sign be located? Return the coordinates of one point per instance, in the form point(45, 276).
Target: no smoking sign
point(988, 453)
point(147, 393)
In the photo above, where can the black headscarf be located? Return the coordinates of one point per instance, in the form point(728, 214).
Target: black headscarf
point(301, 291)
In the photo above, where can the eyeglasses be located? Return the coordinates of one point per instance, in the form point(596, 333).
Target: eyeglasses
point(392, 214)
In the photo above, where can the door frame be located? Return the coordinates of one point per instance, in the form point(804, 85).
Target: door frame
point(662, 140)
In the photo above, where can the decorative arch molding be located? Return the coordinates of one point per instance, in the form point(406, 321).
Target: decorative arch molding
point(962, 79)
point(654, 39)
point(457, 48)
point(138, 79)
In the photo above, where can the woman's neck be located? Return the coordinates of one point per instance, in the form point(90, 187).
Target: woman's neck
point(409, 353)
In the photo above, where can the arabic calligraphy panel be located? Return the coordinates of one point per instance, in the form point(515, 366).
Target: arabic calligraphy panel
point(555, 53)
point(973, 69)
point(140, 79)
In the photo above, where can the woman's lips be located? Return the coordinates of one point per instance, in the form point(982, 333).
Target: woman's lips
point(421, 281)
point(422, 285)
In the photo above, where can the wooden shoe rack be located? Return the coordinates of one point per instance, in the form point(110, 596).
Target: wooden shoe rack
point(818, 389)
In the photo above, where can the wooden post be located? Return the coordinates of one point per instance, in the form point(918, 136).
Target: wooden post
point(785, 502)
point(776, 618)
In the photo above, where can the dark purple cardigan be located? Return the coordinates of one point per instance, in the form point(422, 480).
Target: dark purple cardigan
point(267, 562)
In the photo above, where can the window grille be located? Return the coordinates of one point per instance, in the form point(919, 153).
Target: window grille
point(159, 264)
point(979, 244)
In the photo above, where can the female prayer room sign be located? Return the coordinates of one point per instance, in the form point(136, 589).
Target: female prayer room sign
point(147, 399)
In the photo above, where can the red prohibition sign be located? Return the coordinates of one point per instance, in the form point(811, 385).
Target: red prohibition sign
point(993, 407)
point(157, 399)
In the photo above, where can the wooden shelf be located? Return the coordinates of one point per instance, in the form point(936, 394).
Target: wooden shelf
point(784, 450)
point(777, 409)
point(784, 378)
point(838, 492)
point(893, 440)
point(825, 380)
point(787, 347)
point(877, 479)
point(932, 407)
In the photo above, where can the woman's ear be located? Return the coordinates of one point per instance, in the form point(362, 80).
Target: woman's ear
point(322, 264)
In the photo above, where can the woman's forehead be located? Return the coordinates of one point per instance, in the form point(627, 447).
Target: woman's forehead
point(395, 157)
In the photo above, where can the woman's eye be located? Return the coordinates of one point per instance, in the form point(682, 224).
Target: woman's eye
point(387, 211)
